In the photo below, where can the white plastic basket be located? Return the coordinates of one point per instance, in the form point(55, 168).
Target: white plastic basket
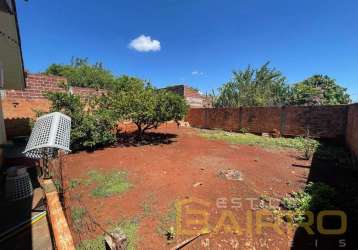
point(50, 133)
point(18, 187)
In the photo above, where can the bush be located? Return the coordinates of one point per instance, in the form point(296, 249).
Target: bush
point(315, 197)
point(91, 125)
point(308, 147)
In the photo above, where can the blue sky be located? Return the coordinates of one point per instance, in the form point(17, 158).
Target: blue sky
point(198, 42)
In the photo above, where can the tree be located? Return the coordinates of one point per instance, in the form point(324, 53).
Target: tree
point(91, 124)
point(146, 106)
point(83, 74)
point(254, 87)
point(319, 90)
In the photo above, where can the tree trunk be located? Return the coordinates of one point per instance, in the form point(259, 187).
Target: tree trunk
point(139, 131)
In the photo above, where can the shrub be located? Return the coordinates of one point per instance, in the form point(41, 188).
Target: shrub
point(315, 197)
point(91, 125)
point(308, 147)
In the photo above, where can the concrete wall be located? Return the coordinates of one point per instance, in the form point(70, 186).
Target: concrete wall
point(320, 121)
point(352, 131)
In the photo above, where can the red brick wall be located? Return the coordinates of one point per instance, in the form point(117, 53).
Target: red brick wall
point(352, 131)
point(19, 105)
point(321, 121)
point(36, 85)
point(193, 98)
point(260, 119)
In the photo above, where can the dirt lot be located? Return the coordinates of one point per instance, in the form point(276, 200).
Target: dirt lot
point(183, 167)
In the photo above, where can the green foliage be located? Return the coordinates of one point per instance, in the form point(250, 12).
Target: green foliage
point(73, 183)
point(251, 139)
point(83, 74)
point(130, 229)
point(267, 87)
point(146, 106)
point(166, 226)
point(254, 87)
point(108, 184)
point(309, 147)
point(91, 124)
point(244, 130)
point(315, 197)
point(77, 215)
point(319, 90)
point(92, 244)
point(127, 83)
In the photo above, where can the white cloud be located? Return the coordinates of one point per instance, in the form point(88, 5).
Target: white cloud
point(144, 44)
point(197, 73)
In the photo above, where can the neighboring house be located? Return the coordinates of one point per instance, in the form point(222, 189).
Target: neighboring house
point(11, 63)
point(191, 95)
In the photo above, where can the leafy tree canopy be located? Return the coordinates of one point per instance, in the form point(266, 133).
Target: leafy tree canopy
point(146, 106)
point(264, 86)
point(83, 74)
point(319, 90)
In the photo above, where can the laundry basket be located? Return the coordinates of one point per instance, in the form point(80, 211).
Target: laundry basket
point(18, 186)
point(50, 133)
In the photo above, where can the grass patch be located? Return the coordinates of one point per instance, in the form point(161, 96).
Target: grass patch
point(167, 222)
point(73, 183)
point(129, 228)
point(77, 214)
point(94, 244)
point(298, 143)
point(108, 184)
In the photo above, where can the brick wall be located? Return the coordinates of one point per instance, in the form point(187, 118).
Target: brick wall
point(352, 131)
point(320, 121)
point(19, 105)
point(192, 96)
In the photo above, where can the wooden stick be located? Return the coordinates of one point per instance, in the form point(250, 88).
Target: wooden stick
point(186, 242)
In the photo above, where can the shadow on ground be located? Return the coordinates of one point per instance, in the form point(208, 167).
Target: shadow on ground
point(150, 138)
point(330, 165)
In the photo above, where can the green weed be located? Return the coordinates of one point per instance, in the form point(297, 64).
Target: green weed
point(92, 244)
point(77, 214)
point(167, 222)
point(73, 183)
point(315, 197)
point(108, 184)
point(298, 143)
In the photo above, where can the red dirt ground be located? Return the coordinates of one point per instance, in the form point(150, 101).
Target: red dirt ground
point(168, 172)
